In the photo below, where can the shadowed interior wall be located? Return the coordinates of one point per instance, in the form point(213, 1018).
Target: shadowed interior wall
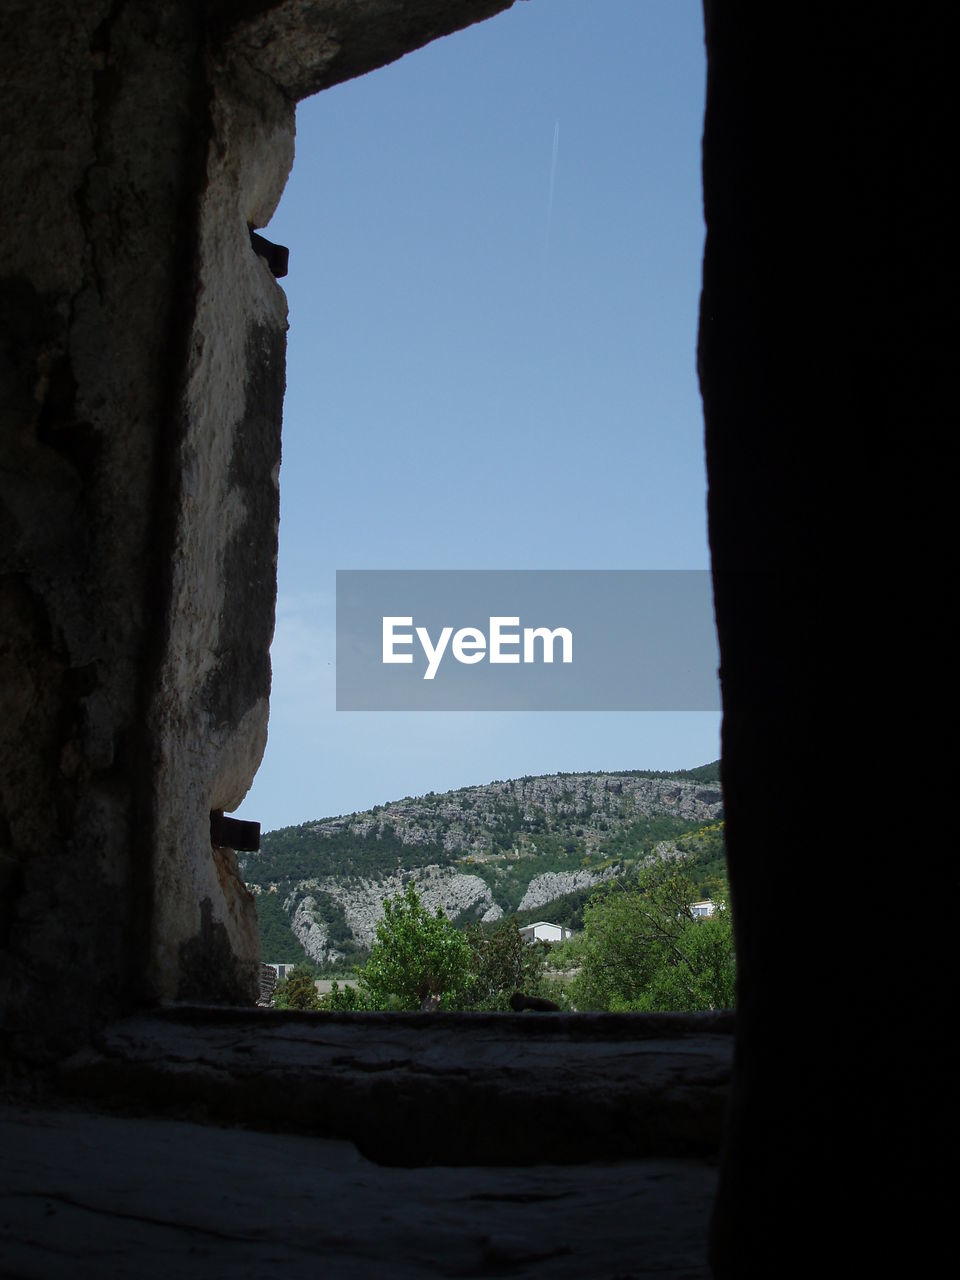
point(142, 382)
point(105, 126)
point(823, 357)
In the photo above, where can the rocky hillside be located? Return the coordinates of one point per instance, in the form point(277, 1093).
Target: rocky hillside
point(479, 853)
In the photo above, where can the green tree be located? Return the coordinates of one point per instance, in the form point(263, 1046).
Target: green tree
point(702, 973)
point(501, 963)
point(418, 961)
point(299, 991)
point(643, 949)
point(345, 999)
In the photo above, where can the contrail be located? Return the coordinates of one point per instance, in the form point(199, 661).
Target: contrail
point(553, 177)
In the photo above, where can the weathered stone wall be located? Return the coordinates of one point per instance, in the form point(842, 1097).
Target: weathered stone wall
point(140, 390)
point(209, 713)
point(102, 130)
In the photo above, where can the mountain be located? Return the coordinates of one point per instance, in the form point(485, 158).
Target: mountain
point(523, 846)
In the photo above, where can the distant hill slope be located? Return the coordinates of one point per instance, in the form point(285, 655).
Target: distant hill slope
point(479, 852)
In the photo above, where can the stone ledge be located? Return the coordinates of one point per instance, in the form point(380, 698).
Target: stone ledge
point(414, 1089)
point(86, 1196)
point(308, 45)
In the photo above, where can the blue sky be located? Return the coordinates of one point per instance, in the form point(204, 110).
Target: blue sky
point(495, 260)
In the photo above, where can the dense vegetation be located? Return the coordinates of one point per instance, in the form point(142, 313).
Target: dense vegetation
point(298, 853)
point(278, 943)
point(421, 962)
point(642, 948)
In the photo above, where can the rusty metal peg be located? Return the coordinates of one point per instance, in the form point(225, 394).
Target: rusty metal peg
point(232, 833)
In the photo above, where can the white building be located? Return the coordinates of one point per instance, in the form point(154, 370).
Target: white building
point(700, 910)
point(543, 931)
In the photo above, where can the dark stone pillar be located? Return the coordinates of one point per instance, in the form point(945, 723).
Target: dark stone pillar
point(823, 369)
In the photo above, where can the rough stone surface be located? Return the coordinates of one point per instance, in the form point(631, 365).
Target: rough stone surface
point(554, 884)
point(462, 820)
point(307, 45)
point(362, 901)
point(217, 1204)
point(431, 1088)
point(101, 142)
point(210, 704)
point(141, 380)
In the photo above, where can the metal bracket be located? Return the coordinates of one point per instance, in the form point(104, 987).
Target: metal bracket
point(232, 833)
point(276, 256)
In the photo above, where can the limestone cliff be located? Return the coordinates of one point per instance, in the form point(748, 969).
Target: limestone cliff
point(478, 853)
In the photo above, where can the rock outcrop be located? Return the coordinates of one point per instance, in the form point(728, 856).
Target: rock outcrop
point(462, 821)
point(556, 884)
point(458, 895)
